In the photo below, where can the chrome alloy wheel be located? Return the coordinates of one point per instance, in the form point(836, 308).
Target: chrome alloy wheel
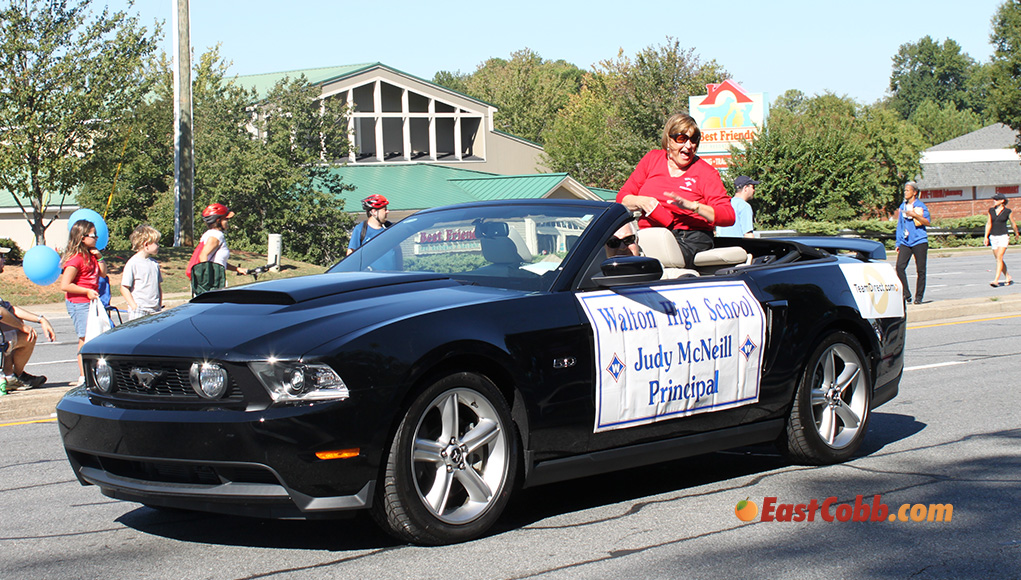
point(839, 395)
point(460, 456)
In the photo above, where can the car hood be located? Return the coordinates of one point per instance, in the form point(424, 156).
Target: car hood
point(286, 318)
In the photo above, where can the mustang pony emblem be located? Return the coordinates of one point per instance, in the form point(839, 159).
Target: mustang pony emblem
point(144, 377)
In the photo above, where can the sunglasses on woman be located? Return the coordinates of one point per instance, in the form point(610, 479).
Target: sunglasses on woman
point(616, 242)
point(681, 138)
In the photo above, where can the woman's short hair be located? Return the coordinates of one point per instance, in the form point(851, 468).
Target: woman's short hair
point(681, 123)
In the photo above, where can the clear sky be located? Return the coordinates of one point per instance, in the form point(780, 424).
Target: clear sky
point(810, 45)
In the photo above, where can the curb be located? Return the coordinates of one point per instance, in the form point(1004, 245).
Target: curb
point(36, 404)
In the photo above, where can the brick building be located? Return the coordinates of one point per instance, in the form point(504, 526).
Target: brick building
point(961, 175)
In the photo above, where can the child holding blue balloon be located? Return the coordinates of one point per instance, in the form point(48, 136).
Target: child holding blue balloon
point(83, 266)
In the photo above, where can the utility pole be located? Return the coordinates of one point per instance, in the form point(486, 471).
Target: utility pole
point(184, 152)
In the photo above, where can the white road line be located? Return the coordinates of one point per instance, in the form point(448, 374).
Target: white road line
point(936, 365)
point(56, 362)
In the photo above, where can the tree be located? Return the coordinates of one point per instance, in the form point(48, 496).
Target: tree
point(68, 80)
point(455, 81)
point(268, 160)
point(927, 70)
point(618, 115)
point(793, 101)
point(589, 140)
point(657, 84)
point(938, 124)
point(1005, 67)
point(831, 160)
point(527, 90)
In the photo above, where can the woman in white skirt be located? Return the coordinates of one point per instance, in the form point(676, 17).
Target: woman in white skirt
point(997, 237)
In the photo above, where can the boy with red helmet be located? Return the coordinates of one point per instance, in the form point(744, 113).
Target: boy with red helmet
point(376, 210)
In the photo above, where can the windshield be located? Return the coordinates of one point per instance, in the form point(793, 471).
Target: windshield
point(507, 246)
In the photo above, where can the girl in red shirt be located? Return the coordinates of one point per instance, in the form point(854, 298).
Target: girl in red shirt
point(83, 266)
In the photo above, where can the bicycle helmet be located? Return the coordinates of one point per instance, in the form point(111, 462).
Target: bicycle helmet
point(375, 202)
point(215, 211)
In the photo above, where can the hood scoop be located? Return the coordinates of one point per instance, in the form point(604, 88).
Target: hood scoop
point(289, 291)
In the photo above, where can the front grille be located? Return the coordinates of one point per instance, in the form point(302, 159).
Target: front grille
point(172, 382)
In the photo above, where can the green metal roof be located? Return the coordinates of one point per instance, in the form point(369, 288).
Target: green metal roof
point(415, 186)
point(605, 194)
point(7, 201)
point(510, 186)
point(262, 83)
point(407, 187)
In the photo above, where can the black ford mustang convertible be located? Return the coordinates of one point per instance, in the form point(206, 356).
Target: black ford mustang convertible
point(469, 351)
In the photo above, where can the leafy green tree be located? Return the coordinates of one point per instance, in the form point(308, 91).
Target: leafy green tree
point(1005, 67)
point(938, 124)
point(792, 100)
point(656, 83)
point(67, 80)
point(618, 116)
point(527, 90)
point(895, 148)
point(928, 70)
point(268, 161)
point(455, 81)
point(831, 160)
point(590, 141)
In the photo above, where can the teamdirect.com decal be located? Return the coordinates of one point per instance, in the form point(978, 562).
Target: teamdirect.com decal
point(831, 510)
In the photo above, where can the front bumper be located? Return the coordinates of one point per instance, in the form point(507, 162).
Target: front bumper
point(253, 463)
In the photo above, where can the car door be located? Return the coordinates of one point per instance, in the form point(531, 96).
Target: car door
point(672, 357)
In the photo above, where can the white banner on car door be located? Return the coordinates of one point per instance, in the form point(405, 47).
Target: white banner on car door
point(670, 351)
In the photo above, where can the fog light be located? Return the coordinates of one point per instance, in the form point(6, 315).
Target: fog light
point(104, 376)
point(208, 380)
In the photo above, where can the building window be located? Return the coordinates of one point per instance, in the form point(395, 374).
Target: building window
point(393, 124)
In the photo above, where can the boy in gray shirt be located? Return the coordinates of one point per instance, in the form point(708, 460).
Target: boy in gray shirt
point(140, 284)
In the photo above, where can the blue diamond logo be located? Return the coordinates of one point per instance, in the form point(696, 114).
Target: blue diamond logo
point(616, 368)
point(748, 347)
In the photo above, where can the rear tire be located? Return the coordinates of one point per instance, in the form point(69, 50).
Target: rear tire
point(451, 466)
point(831, 409)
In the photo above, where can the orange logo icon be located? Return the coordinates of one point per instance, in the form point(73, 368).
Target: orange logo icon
point(746, 510)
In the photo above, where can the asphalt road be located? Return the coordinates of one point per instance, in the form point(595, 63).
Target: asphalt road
point(951, 437)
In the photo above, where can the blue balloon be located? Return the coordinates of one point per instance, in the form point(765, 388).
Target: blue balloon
point(102, 232)
point(42, 265)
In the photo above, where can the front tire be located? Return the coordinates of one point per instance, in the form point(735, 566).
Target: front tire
point(831, 409)
point(451, 465)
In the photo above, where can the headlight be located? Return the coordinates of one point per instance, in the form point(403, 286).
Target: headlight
point(297, 381)
point(104, 376)
point(209, 380)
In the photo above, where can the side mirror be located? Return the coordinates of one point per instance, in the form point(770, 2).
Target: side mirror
point(629, 270)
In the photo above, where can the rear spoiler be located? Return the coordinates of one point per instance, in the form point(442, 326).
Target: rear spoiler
point(868, 249)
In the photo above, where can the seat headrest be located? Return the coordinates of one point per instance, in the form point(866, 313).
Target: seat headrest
point(661, 244)
point(502, 244)
point(492, 230)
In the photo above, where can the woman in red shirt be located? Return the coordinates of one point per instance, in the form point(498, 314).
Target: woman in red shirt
point(674, 188)
point(83, 266)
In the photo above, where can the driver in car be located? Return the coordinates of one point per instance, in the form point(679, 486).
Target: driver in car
point(623, 242)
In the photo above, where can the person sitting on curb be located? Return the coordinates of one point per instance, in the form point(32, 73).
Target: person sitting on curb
point(20, 340)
